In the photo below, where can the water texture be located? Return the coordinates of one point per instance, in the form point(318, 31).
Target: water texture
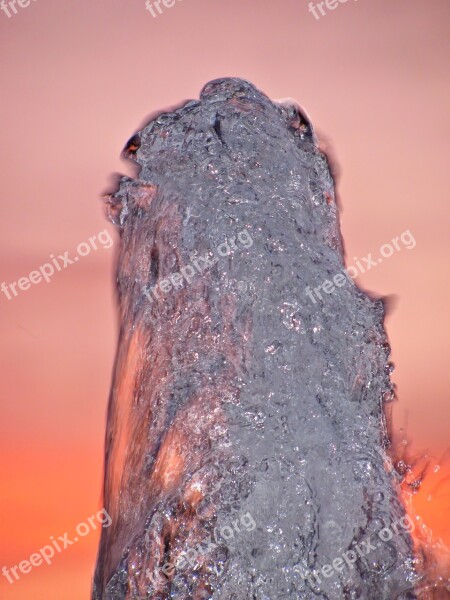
point(245, 438)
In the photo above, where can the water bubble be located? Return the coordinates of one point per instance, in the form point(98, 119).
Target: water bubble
point(242, 286)
point(382, 560)
point(352, 593)
point(291, 315)
point(274, 347)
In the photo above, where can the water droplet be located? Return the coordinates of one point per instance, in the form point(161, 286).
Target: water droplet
point(291, 315)
point(274, 347)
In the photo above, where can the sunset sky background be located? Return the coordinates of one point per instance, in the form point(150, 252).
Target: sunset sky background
point(77, 79)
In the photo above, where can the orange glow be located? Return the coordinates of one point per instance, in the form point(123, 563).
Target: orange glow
point(170, 462)
point(123, 400)
point(428, 507)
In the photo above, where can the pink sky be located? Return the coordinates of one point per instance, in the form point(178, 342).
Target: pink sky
point(77, 79)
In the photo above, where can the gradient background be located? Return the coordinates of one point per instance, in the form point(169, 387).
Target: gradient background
point(78, 77)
